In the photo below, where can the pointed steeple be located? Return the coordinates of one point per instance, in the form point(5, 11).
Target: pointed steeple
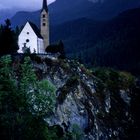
point(44, 24)
point(44, 6)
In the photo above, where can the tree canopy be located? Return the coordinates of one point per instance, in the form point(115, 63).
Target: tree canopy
point(8, 39)
point(24, 101)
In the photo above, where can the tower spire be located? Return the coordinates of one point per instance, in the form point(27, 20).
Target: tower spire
point(44, 18)
point(44, 6)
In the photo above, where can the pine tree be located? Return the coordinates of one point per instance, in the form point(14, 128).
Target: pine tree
point(8, 39)
point(19, 120)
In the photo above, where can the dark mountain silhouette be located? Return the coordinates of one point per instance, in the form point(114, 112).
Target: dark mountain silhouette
point(67, 10)
point(114, 43)
point(92, 33)
point(20, 18)
point(4, 14)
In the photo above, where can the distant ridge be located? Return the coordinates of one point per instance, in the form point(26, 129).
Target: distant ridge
point(67, 10)
point(20, 18)
point(113, 42)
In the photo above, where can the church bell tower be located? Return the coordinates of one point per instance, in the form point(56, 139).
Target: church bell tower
point(44, 23)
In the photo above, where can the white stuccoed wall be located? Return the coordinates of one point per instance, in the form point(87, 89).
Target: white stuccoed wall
point(34, 43)
point(40, 45)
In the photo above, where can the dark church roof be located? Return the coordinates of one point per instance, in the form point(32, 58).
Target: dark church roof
point(44, 6)
point(36, 30)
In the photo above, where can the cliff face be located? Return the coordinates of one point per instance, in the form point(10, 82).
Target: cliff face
point(98, 102)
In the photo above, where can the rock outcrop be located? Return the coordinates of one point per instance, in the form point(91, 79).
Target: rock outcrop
point(99, 104)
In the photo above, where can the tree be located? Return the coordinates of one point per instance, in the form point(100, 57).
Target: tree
point(21, 101)
point(8, 39)
point(57, 48)
point(12, 103)
point(40, 94)
point(17, 31)
point(61, 49)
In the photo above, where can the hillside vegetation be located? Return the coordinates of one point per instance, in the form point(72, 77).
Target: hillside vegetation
point(114, 43)
point(48, 99)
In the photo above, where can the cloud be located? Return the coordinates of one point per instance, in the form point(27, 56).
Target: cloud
point(22, 4)
point(2, 7)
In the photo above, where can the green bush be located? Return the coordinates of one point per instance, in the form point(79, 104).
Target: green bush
point(24, 101)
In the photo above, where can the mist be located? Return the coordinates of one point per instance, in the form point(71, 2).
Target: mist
point(22, 5)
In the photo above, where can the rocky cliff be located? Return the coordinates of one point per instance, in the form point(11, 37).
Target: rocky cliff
point(98, 102)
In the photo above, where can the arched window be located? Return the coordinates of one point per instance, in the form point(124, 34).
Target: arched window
point(27, 40)
point(44, 24)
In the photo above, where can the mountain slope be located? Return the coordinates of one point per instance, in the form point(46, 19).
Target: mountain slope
point(99, 9)
point(111, 43)
point(119, 43)
point(4, 14)
point(75, 34)
point(20, 18)
point(67, 10)
point(98, 102)
point(49, 98)
point(103, 43)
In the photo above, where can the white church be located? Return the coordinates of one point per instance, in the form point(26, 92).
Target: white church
point(32, 38)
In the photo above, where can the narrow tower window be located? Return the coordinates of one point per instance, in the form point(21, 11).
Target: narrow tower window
point(44, 24)
point(43, 16)
point(27, 40)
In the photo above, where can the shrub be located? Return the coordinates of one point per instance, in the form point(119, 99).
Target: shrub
point(69, 86)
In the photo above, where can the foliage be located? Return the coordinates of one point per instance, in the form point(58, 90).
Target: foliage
point(114, 79)
point(69, 86)
point(28, 77)
point(43, 99)
point(126, 80)
point(114, 43)
point(8, 39)
point(18, 120)
point(36, 58)
point(12, 102)
point(57, 48)
point(77, 133)
point(64, 65)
